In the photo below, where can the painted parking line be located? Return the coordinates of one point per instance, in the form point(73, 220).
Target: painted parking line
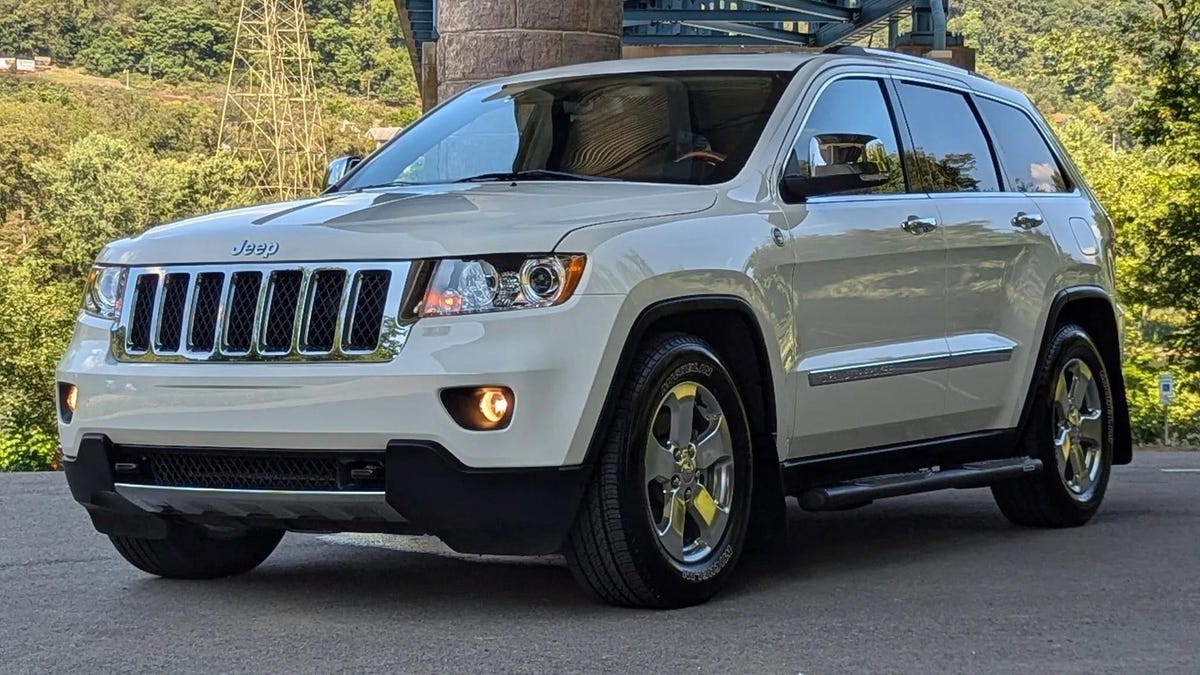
point(1180, 470)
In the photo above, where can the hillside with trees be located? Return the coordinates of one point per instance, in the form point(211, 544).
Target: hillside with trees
point(84, 159)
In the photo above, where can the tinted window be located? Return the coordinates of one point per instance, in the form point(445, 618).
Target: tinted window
point(950, 150)
point(850, 128)
point(690, 127)
point(1028, 163)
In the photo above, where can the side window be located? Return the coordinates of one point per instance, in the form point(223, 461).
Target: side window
point(1029, 164)
point(850, 130)
point(950, 150)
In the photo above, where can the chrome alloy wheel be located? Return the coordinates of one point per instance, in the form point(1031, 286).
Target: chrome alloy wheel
point(689, 473)
point(1078, 429)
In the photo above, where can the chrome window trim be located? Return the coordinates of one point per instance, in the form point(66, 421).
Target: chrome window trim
point(393, 331)
point(936, 80)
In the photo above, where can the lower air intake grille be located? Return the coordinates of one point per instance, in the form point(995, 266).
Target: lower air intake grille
point(243, 472)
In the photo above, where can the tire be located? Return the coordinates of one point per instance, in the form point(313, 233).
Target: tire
point(194, 552)
point(618, 548)
point(1074, 478)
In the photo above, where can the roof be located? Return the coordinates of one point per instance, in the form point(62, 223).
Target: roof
point(774, 61)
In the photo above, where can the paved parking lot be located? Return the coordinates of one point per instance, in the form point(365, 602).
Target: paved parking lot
point(938, 582)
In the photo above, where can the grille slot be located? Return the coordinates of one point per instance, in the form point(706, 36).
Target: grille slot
point(325, 302)
point(243, 472)
point(243, 304)
point(170, 317)
point(369, 300)
point(145, 290)
point(283, 296)
point(263, 312)
point(206, 310)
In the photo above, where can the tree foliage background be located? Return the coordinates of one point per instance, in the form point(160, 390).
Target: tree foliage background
point(84, 160)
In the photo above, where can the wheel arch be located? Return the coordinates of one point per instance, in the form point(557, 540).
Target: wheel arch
point(1093, 309)
point(728, 324)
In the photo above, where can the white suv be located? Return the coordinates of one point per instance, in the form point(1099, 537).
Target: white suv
point(619, 311)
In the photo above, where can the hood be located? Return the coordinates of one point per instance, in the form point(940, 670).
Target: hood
point(406, 223)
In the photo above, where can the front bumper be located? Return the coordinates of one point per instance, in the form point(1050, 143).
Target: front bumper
point(499, 511)
point(557, 361)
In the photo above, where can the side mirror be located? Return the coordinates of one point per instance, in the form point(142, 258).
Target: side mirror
point(338, 169)
point(797, 188)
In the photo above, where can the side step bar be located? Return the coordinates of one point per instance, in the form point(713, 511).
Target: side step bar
point(865, 490)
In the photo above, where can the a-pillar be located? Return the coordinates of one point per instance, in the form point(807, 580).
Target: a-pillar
point(484, 39)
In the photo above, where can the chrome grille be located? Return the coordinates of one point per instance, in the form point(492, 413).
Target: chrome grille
point(275, 312)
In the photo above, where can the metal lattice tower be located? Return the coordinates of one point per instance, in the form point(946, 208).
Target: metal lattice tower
point(272, 115)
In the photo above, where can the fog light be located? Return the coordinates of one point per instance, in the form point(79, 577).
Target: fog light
point(493, 404)
point(68, 397)
point(480, 408)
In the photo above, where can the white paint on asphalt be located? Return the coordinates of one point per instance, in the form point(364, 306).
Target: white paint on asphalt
point(1180, 470)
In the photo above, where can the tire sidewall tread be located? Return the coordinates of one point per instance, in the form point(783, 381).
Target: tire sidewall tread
point(613, 549)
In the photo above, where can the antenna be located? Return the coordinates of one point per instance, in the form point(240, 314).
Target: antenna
point(271, 115)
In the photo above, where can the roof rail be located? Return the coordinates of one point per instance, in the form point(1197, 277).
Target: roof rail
point(855, 50)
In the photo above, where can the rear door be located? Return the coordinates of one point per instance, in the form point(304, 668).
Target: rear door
point(999, 257)
point(870, 283)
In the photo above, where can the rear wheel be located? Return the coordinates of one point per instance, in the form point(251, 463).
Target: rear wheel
point(1071, 431)
point(665, 516)
point(197, 552)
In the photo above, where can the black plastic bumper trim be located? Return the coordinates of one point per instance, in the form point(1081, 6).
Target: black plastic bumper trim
point(498, 511)
point(524, 511)
point(90, 478)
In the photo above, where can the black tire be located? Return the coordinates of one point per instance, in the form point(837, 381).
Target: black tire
point(194, 552)
point(613, 549)
point(1044, 499)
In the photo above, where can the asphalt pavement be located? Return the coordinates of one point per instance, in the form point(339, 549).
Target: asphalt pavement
point(933, 583)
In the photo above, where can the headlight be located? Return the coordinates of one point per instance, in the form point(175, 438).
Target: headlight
point(499, 283)
point(102, 294)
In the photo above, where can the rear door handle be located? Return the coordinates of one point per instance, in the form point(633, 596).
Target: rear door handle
point(917, 226)
point(1027, 221)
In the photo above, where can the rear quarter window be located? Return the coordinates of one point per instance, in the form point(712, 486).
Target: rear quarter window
point(1027, 162)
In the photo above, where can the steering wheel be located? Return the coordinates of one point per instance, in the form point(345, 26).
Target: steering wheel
point(708, 156)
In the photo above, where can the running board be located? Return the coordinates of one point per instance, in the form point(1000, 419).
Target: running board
point(863, 491)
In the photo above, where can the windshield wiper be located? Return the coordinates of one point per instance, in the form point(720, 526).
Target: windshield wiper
point(395, 183)
point(531, 174)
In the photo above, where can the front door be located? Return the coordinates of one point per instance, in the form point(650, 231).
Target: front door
point(870, 282)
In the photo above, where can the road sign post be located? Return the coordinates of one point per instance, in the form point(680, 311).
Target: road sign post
point(1166, 396)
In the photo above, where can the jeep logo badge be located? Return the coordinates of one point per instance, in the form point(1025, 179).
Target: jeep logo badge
point(262, 249)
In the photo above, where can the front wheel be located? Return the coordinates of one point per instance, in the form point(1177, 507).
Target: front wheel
point(665, 515)
point(1071, 431)
point(197, 552)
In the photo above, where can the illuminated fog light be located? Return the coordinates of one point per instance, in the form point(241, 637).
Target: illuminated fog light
point(480, 408)
point(493, 404)
point(68, 397)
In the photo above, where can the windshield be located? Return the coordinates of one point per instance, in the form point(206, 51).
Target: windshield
point(693, 127)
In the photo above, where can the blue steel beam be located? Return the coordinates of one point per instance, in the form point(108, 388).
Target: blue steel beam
point(817, 10)
point(752, 30)
point(874, 13)
point(644, 16)
point(698, 41)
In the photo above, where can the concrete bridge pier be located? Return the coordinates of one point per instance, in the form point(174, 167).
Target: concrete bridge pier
point(483, 39)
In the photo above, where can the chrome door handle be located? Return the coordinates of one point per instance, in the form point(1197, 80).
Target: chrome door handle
point(915, 225)
point(1027, 221)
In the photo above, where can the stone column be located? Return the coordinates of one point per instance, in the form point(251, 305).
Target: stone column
point(483, 39)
